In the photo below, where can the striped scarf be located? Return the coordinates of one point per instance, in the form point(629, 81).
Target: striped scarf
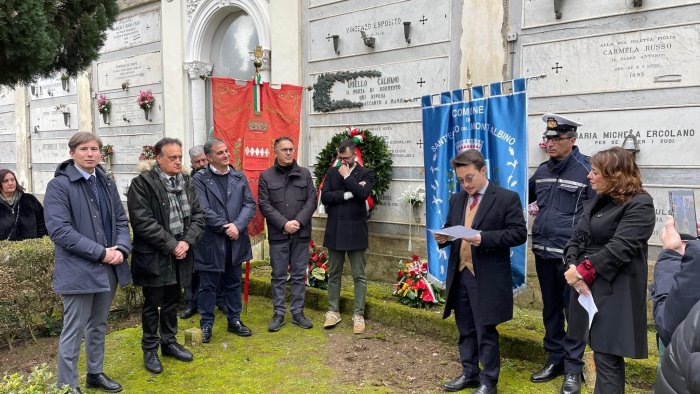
point(179, 206)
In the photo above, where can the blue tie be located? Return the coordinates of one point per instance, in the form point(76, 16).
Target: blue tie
point(93, 185)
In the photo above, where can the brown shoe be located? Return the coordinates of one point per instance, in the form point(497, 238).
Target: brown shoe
point(332, 318)
point(358, 324)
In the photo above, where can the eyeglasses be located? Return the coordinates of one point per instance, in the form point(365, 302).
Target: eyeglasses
point(287, 150)
point(467, 179)
point(348, 158)
point(555, 139)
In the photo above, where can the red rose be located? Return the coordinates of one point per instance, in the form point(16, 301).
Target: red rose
point(427, 297)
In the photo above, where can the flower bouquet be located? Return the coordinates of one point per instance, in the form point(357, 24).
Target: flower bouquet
point(413, 196)
point(107, 151)
point(145, 100)
point(104, 106)
point(413, 288)
point(148, 153)
point(317, 270)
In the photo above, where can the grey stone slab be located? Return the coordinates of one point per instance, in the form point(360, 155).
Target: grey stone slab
point(126, 112)
point(641, 59)
point(7, 123)
point(128, 148)
point(55, 86)
point(135, 71)
point(429, 23)
point(7, 95)
point(52, 118)
point(132, 31)
point(665, 135)
point(52, 151)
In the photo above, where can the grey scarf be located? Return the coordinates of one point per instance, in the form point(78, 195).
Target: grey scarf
point(13, 199)
point(179, 206)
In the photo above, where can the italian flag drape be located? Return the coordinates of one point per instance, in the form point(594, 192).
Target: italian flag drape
point(248, 118)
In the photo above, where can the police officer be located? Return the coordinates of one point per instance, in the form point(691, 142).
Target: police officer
point(557, 191)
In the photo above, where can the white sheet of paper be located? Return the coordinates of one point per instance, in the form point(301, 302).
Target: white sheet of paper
point(588, 304)
point(456, 232)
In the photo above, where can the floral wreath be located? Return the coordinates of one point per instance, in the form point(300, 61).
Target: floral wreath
point(375, 155)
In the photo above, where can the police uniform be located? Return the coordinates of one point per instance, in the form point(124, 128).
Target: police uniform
point(559, 189)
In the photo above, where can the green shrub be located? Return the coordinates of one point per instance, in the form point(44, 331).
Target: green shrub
point(28, 304)
point(37, 382)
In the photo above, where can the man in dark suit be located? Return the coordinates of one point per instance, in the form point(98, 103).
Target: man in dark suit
point(344, 193)
point(479, 285)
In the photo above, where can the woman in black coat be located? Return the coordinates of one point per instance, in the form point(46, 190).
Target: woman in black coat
point(21, 214)
point(607, 257)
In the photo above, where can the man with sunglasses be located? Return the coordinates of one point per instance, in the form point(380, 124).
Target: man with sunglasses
point(287, 200)
point(344, 194)
point(557, 191)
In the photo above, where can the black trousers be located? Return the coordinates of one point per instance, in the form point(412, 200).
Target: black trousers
point(159, 327)
point(555, 299)
point(609, 373)
point(477, 342)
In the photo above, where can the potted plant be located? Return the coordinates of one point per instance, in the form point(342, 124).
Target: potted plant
point(65, 82)
point(145, 102)
point(104, 107)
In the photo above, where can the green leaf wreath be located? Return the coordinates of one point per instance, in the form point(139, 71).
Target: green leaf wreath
point(375, 154)
point(324, 83)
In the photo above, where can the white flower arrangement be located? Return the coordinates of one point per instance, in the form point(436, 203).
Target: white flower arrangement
point(413, 196)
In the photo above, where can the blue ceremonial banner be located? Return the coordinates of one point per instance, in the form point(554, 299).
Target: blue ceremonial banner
point(496, 125)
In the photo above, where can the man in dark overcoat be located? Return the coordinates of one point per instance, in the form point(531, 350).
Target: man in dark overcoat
point(86, 220)
point(229, 206)
point(167, 222)
point(479, 279)
point(344, 194)
point(287, 200)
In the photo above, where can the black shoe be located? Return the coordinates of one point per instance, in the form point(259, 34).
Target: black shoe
point(152, 362)
point(223, 308)
point(102, 382)
point(302, 321)
point(74, 390)
point(460, 383)
point(206, 334)
point(572, 383)
point(484, 389)
point(188, 312)
point(549, 372)
point(276, 323)
point(176, 351)
point(239, 329)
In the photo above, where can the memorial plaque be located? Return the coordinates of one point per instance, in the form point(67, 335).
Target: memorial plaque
point(49, 150)
point(57, 86)
point(665, 135)
point(132, 31)
point(316, 3)
point(430, 23)
point(132, 72)
point(405, 141)
point(7, 95)
point(128, 148)
point(541, 12)
point(52, 118)
point(393, 209)
point(125, 112)
point(7, 123)
point(645, 59)
point(399, 81)
point(661, 208)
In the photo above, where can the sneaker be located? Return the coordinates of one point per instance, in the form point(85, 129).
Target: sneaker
point(302, 321)
point(276, 323)
point(358, 324)
point(332, 318)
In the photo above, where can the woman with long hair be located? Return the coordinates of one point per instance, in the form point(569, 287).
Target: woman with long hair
point(21, 214)
point(607, 258)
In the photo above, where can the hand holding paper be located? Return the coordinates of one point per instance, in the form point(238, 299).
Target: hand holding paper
point(456, 232)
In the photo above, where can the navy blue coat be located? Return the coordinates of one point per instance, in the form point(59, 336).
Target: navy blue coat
point(560, 188)
point(501, 220)
point(675, 289)
point(238, 207)
point(74, 224)
point(680, 366)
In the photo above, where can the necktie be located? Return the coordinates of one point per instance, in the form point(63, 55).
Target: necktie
point(172, 182)
point(475, 201)
point(93, 185)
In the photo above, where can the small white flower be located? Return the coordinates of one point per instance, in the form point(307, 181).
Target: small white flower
point(413, 196)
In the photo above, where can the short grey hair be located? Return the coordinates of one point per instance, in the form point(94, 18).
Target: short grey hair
point(196, 150)
point(210, 144)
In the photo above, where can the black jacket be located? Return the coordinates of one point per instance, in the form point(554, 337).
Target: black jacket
point(680, 366)
point(614, 238)
point(502, 224)
point(560, 188)
point(346, 227)
point(286, 196)
point(24, 220)
point(676, 288)
point(152, 262)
